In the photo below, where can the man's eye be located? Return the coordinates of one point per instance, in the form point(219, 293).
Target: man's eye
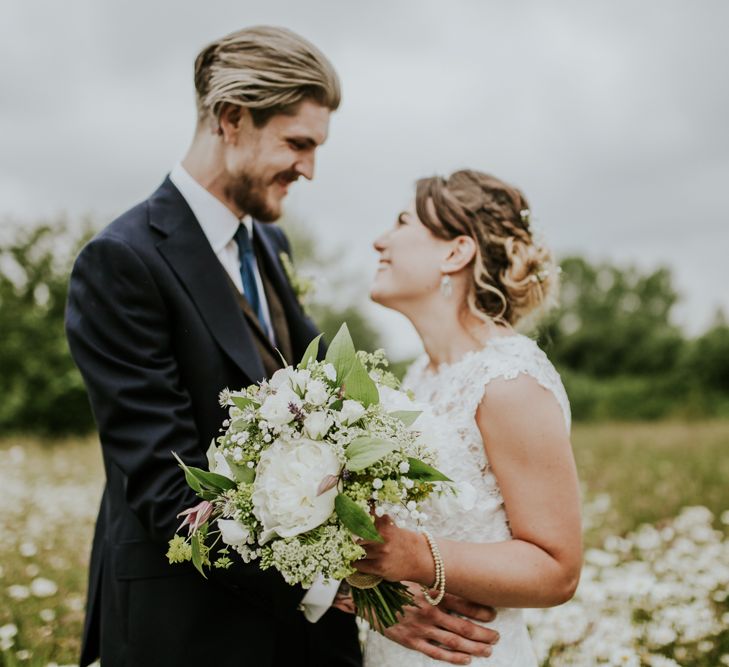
point(296, 145)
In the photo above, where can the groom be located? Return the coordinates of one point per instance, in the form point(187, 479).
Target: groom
point(181, 296)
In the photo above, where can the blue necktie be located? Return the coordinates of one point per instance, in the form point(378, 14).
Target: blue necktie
point(248, 274)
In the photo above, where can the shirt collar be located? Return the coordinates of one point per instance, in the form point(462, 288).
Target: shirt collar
point(218, 222)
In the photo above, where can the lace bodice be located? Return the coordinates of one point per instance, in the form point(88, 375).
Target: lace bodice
point(452, 394)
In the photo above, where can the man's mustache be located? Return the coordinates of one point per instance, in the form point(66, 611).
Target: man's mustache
point(290, 176)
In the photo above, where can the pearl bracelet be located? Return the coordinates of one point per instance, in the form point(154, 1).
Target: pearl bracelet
point(440, 580)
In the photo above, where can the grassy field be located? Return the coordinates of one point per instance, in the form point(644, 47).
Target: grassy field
point(632, 474)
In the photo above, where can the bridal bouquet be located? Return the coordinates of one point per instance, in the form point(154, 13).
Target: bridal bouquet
point(304, 461)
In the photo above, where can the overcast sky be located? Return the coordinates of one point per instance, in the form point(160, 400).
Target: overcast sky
point(611, 116)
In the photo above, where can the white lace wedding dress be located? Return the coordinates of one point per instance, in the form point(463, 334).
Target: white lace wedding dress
point(453, 393)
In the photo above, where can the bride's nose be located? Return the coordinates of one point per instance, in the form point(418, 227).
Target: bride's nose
point(380, 243)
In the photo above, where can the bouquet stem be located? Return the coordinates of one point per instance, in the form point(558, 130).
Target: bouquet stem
point(381, 604)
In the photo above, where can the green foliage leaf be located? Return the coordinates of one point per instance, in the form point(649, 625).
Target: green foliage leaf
point(341, 353)
point(243, 474)
point(407, 417)
point(212, 480)
point(355, 519)
point(196, 554)
point(311, 352)
point(425, 473)
point(359, 386)
point(210, 454)
point(364, 451)
point(198, 478)
point(192, 481)
point(241, 402)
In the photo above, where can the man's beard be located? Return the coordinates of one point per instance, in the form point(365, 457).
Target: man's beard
point(249, 195)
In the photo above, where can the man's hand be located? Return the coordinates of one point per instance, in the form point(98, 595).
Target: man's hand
point(442, 636)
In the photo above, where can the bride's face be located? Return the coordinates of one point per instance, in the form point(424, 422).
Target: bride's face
point(410, 264)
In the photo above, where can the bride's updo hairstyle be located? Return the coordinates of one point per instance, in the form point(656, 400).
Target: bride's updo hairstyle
point(513, 274)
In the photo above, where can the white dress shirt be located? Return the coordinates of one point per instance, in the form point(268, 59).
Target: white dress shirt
point(219, 224)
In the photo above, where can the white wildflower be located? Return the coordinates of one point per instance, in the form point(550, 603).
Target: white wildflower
point(18, 592)
point(43, 588)
point(47, 615)
point(28, 549)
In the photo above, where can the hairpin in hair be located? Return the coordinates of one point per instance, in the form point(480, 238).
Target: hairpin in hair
point(524, 214)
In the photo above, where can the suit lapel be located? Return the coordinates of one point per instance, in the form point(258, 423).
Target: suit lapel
point(187, 251)
point(301, 329)
point(275, 270)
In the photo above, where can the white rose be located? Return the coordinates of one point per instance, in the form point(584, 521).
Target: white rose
point(275, 408)
point(285, 496)
point(351, 411)
point(330, 372)
point(233, 533)
point(300, 379)
point(317, 424)
point(316, 393)
point(281, 378)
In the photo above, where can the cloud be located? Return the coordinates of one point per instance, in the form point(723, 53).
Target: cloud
point(611, 116)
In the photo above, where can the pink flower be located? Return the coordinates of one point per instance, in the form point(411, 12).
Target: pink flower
point(196, 516)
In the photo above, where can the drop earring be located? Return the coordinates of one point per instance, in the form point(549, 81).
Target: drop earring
point(446, 286)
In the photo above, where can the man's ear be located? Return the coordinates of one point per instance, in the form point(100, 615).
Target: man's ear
point(233, 118)
point(461, 253)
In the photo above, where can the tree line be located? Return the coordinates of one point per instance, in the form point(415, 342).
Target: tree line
point(612, 337)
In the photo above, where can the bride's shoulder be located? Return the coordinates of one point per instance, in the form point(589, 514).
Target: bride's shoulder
point(514, 354)
point(518, 357)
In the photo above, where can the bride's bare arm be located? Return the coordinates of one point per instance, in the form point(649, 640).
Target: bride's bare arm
point(529, 450)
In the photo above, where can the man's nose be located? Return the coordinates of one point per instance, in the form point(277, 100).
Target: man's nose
point(305, 167)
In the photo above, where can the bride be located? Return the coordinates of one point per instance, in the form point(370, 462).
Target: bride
point(462, 263)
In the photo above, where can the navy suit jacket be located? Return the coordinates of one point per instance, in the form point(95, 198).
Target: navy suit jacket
point(156, 330)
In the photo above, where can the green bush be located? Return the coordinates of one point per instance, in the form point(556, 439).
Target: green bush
point(612, 338)
point(41, 389)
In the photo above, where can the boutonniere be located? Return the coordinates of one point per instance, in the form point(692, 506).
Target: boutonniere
point(303, 286)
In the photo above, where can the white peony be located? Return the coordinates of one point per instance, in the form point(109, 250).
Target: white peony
point(285, 497)
point(275, 408)
point(317, 424)
point(316, 393)
point(351, 411)
point(233, 533)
